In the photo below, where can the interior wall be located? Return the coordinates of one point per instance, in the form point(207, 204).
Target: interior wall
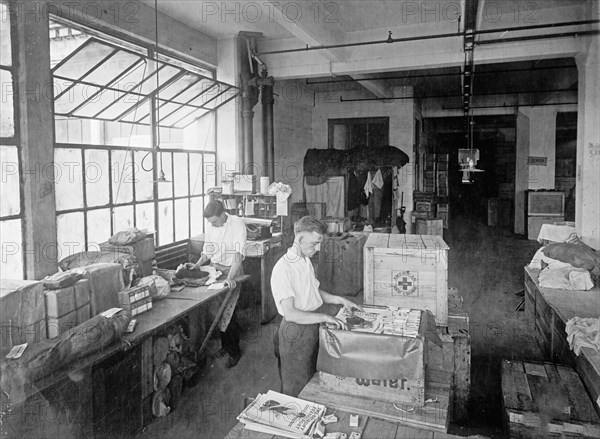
point(401, 115)
point(521, 172)
point(293, 131)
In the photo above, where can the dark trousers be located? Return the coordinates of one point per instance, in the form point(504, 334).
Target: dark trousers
point(230, 338)
point(296, 348)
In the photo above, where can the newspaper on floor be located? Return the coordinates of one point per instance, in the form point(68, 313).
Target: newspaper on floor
point(283, 415)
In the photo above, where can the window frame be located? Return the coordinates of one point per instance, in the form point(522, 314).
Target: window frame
point(15, 140)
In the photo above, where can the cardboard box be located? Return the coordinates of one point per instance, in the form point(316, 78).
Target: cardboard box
point(65, 300)
point(106, 280)
point(22, 312)
point(430, 227)
point(378, 366)
point(409, 271)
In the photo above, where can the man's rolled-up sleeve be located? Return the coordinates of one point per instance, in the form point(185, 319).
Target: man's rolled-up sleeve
point(281, 284)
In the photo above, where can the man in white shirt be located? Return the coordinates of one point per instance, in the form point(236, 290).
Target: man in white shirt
point(224, 247)
point(303, 306)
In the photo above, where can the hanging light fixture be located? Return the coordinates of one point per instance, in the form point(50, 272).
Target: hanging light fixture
point(469, 156)
point(161, 174)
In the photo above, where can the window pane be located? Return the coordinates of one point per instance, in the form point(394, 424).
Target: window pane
point(112, 68)
point(5, 49)
point(122, 177)
point(195, 174)
point(200, 135)
point(84, 60)
point(11, 263)
point(68, 179)
point(144, 216)
point(69, 234)
point(196, 218)
point(123, 218)
point(75, 96)
point(182, 213)
point(97, 178)
point(165, 190)
point(125, 134)
point(98, 228)
point(165, 222)
point(180, 175)
point(143, 177)
point(10, 202)
point(7, 119)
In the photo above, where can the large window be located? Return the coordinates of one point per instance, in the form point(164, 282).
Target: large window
point(11, 209)
point(124, 117)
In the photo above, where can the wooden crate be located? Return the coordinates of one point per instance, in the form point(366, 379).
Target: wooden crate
point(546, 400)
point(394, 391)
point(430, 227)
point(409, 271)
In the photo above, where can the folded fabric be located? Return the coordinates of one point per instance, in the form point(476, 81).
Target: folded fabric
point(566, 278)
point(183, 272)
point(558, 233)
point(583, 332)
point(578, 255)
point(540, 261)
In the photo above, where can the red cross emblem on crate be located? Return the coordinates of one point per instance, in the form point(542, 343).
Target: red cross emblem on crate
point(405, 283)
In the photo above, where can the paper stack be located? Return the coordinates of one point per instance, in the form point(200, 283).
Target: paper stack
point(282, 415)
point(383, 320)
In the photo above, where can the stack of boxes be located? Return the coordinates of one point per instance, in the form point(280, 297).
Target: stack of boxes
point(142, 254)
point(433, 202)
point(136, 300)
point(67, 307)
point(22, 313)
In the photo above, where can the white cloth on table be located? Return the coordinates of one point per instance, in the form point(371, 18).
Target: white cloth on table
point(294, 276)
point(565, 278)
point(557, 233)
point(282, 193)
point(583, 332)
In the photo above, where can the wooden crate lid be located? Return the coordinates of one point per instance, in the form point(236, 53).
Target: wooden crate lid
point(543, 388)
point(387, 240)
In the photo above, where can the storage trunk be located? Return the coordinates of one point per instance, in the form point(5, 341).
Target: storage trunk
point(22, 313)
point(546, 400)
point(408, 271)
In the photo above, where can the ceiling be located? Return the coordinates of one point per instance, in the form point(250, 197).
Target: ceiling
point(310, 23)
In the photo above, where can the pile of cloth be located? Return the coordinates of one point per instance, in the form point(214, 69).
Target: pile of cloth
point(569, 265)
point(583, 332)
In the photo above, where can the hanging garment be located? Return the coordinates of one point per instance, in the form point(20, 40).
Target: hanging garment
point(331, 193)
point(353, 200)
point(378, 179)
point(387, 197)
point(368, 185)
point(375, 204)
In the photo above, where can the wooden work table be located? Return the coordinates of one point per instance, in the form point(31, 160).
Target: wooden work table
point(88, 403)
point(550, 309)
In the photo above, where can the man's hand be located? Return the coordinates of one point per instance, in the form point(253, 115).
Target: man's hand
point(191, 266)
point(336, 323)
point(230, 283)
point(348, 304)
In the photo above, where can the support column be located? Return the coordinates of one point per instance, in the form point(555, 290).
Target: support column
point(587, 210)
point(521, 171)
point(36, 124)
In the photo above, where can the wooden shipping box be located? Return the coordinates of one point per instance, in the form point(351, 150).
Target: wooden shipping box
point(352, 353)
point(408, 271)
point(62, 301)
point(546, 400)
point(22, 313)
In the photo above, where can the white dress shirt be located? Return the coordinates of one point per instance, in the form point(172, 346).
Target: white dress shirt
point(222, 243)
point(294, 276)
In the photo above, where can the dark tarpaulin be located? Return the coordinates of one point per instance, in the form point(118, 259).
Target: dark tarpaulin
point(333, 162)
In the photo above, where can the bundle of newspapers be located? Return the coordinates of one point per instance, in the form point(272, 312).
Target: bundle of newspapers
point(382, 320)
point(282, 415)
